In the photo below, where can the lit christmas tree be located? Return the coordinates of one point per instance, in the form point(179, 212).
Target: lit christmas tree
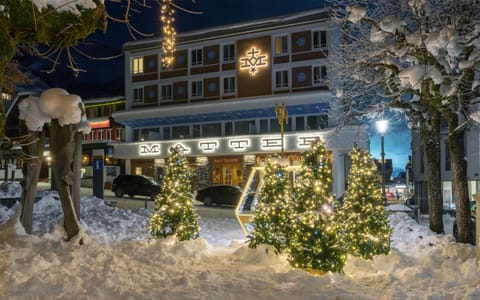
point(364, 222)
point(271, 220)
point(174, 213)
point(314, 243)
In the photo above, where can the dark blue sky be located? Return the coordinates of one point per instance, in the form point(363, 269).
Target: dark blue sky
point(106, 77)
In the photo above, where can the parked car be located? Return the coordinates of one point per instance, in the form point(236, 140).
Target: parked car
point(133, 185)
point(219, 194)
point(473, 207)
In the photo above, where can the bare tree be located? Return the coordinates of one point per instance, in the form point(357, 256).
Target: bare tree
point(417, 57)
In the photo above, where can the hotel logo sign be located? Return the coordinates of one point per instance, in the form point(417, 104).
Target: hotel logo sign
point(253, 60)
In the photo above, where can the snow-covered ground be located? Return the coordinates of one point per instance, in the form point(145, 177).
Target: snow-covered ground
point(119, 261)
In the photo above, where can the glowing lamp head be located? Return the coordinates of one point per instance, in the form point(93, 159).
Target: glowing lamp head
point(382, 126)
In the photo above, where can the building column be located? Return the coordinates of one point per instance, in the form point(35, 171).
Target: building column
point(128, 166)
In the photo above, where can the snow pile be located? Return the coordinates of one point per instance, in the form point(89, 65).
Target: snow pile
point(53, 103)
point(119, 261)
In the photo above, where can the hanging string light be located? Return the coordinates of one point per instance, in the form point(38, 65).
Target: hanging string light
point(169, 33)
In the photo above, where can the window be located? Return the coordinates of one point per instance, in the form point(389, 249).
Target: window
point(180, 132)
point(319, 39)
point(320, 75)
point(166, 92)
point(317, 122)
point(229, 85)
point(166, 133)
point(281, 44)
point(211, 130)
point(281, 79)
point(197, 88)
point(275, 126)
point(138, 95)
point(300, 123)
point(6, 96)
point(264, 126)
point(245, 127)
point(137, 65)
point(196, 57)
point(228, 53)
point(228, 128)
point(196, 130)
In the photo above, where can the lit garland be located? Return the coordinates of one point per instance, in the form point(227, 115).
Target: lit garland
point(314, 242)
point(271, 223)
point(169, 33)
point(174, 212)
point(364, 222)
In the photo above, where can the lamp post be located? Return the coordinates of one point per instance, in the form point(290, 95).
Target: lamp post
point(382, 126)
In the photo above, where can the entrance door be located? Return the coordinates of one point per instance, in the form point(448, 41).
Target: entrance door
point(227, 171)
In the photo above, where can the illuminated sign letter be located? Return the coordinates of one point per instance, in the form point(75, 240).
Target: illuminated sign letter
point(253, 60)
point(149, 149)
point(239, 145)
point(208, 146)
point(305, 141)
point(271, 143)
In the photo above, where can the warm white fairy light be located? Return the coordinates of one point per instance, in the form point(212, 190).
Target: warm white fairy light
point(169, 33)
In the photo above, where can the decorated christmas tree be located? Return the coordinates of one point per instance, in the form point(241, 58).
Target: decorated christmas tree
point(363, 219)
point(314, 242)
point(271, 221)
point(174, 213)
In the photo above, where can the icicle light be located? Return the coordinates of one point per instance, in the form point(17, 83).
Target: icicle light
point(169, 33)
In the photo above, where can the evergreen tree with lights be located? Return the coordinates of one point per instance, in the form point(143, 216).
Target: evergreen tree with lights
point(174, 213)
point(363, 219)
point(315, 243)
point(271, 221)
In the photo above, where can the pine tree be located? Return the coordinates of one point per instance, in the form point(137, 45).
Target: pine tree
point(314, 242)
point(272, 214)
point(174, 213)
point(365, 227)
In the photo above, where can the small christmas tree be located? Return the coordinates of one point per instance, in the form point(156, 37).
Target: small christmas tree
point(174, 213)
point(365, 227)
point(271, 221)
point(314, 242)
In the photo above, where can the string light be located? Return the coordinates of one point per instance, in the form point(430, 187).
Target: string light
point(169, 33)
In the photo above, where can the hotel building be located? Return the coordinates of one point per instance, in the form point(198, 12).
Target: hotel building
point(218, 100)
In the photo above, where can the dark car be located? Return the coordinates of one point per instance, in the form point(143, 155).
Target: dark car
point(473, 207)
point(133, 185)
point(219, 194)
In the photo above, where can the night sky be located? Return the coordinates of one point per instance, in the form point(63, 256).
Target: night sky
point(106, 77)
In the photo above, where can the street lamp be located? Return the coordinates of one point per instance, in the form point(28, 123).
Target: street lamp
point(382, 126)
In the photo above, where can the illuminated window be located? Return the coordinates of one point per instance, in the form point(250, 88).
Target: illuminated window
point(197, 88)
point(229, 85)
point(320, 75)
point(138, 95)
point(281, 44)
point(166, 92)
point(6, 96)
point(281, 79)
point(137, 65)
point(229, 53)
point(196, 57)
point(319, 39)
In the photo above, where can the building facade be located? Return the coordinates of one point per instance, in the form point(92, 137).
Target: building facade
point(219, 100)
point(472, 146)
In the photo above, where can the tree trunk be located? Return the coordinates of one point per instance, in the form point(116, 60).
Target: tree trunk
point(31, 172)
point(431, 138)
point(456, 146)
point(77, 164)
point(62, 139)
